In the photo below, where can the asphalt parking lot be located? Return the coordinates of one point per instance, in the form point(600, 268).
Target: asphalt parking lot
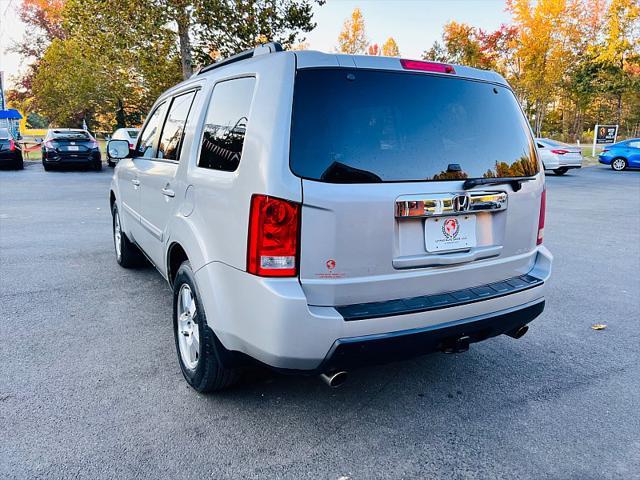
point(90, 386)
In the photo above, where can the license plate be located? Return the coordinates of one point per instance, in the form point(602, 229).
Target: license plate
point(444, 234)
point(73, 148)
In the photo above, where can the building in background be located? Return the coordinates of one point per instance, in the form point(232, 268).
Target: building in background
point(9, 117)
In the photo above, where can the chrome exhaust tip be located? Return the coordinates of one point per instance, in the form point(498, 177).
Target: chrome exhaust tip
point(518, 332)
point(335, 379)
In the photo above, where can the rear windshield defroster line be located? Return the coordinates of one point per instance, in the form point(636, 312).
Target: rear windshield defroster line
point(369, 126)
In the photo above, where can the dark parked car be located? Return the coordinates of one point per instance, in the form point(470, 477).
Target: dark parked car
point(10, 152)
point(70, 146)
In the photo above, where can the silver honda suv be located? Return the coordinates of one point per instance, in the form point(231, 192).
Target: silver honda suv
point(317, 212)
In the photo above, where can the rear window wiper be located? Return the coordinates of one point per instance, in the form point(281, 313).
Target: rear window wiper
point(515, 182)
point(340, 173)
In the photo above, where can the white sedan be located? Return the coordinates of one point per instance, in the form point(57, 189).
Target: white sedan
point(558, 156)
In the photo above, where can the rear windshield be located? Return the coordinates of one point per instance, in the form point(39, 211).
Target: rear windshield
point(364, 126)
point(70, 135)
point(4, 134)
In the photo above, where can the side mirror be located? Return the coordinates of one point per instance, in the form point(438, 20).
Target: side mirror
point(118, 149)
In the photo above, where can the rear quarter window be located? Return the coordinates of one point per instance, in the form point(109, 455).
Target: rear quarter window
point(226, 124)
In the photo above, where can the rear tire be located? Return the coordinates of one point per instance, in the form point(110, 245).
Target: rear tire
point(98, 166)
point(199, 351)
point(47, 168)
point(110, 163)
point(561, 171)
point(20, 164)
point(618, 164)
point(127, 254)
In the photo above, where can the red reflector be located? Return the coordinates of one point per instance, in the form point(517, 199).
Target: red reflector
point(12, 145)
point(543, 208)
point(272, 246)
point(427, 66)
point(559, 152)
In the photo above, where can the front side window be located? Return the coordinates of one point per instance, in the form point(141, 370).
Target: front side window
point(366, 126)
point(148, 136)
point(173, 131)
point(226, 124)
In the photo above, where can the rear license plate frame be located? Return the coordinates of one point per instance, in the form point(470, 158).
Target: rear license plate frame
point(450, 234)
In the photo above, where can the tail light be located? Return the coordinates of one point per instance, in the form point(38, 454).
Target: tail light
point(272, 247)
point(559, 152)
point(93, 144)
point(543, 208)
point(427, 66)
point(131, 146)
point(12, 145)
point(49, 144)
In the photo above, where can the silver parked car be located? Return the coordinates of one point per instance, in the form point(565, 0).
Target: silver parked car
point(558, 156)
point(317, 212)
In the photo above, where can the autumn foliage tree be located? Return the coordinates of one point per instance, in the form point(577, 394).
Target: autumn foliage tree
point(353, 38)
point(571, 62)
point(390, 48)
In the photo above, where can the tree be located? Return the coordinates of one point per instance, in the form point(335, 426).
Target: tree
point(373, 50)
point(65, 87)
point(43, 20)
point(352, 38)
point(548, 32)
point(461, 44)
point(132, 58)
point(620, 53)
point(225, 27)
point(181, 11)
point(390, 48)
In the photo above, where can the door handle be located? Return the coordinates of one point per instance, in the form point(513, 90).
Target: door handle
point(168, 192)
point(135, 182)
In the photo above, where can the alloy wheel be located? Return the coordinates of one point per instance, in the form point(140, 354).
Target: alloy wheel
point(618, 164)
point(188, 330)
point(117, 235)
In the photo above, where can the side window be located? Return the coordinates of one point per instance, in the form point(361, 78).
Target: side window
point(540, 145)
point(634, 144)
point(226, 124)
point(149, 134)
point(173, 130)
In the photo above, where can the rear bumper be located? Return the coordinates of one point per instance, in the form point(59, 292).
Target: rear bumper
point(66, 159)
point(554, 165)
point(348, 353)
point(270, 320)
point(10, 156)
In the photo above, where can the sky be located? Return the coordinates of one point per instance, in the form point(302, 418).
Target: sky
point(415, 24)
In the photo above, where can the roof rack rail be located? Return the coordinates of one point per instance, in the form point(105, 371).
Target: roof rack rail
point(263, 49)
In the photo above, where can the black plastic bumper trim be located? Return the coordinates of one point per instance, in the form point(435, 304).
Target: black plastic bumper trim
point(356, 352)
point(364, 311)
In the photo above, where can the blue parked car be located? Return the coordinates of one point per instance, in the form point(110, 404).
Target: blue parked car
point(622, 155)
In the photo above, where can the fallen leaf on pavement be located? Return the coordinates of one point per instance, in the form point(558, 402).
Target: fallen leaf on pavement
point(598, 326)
